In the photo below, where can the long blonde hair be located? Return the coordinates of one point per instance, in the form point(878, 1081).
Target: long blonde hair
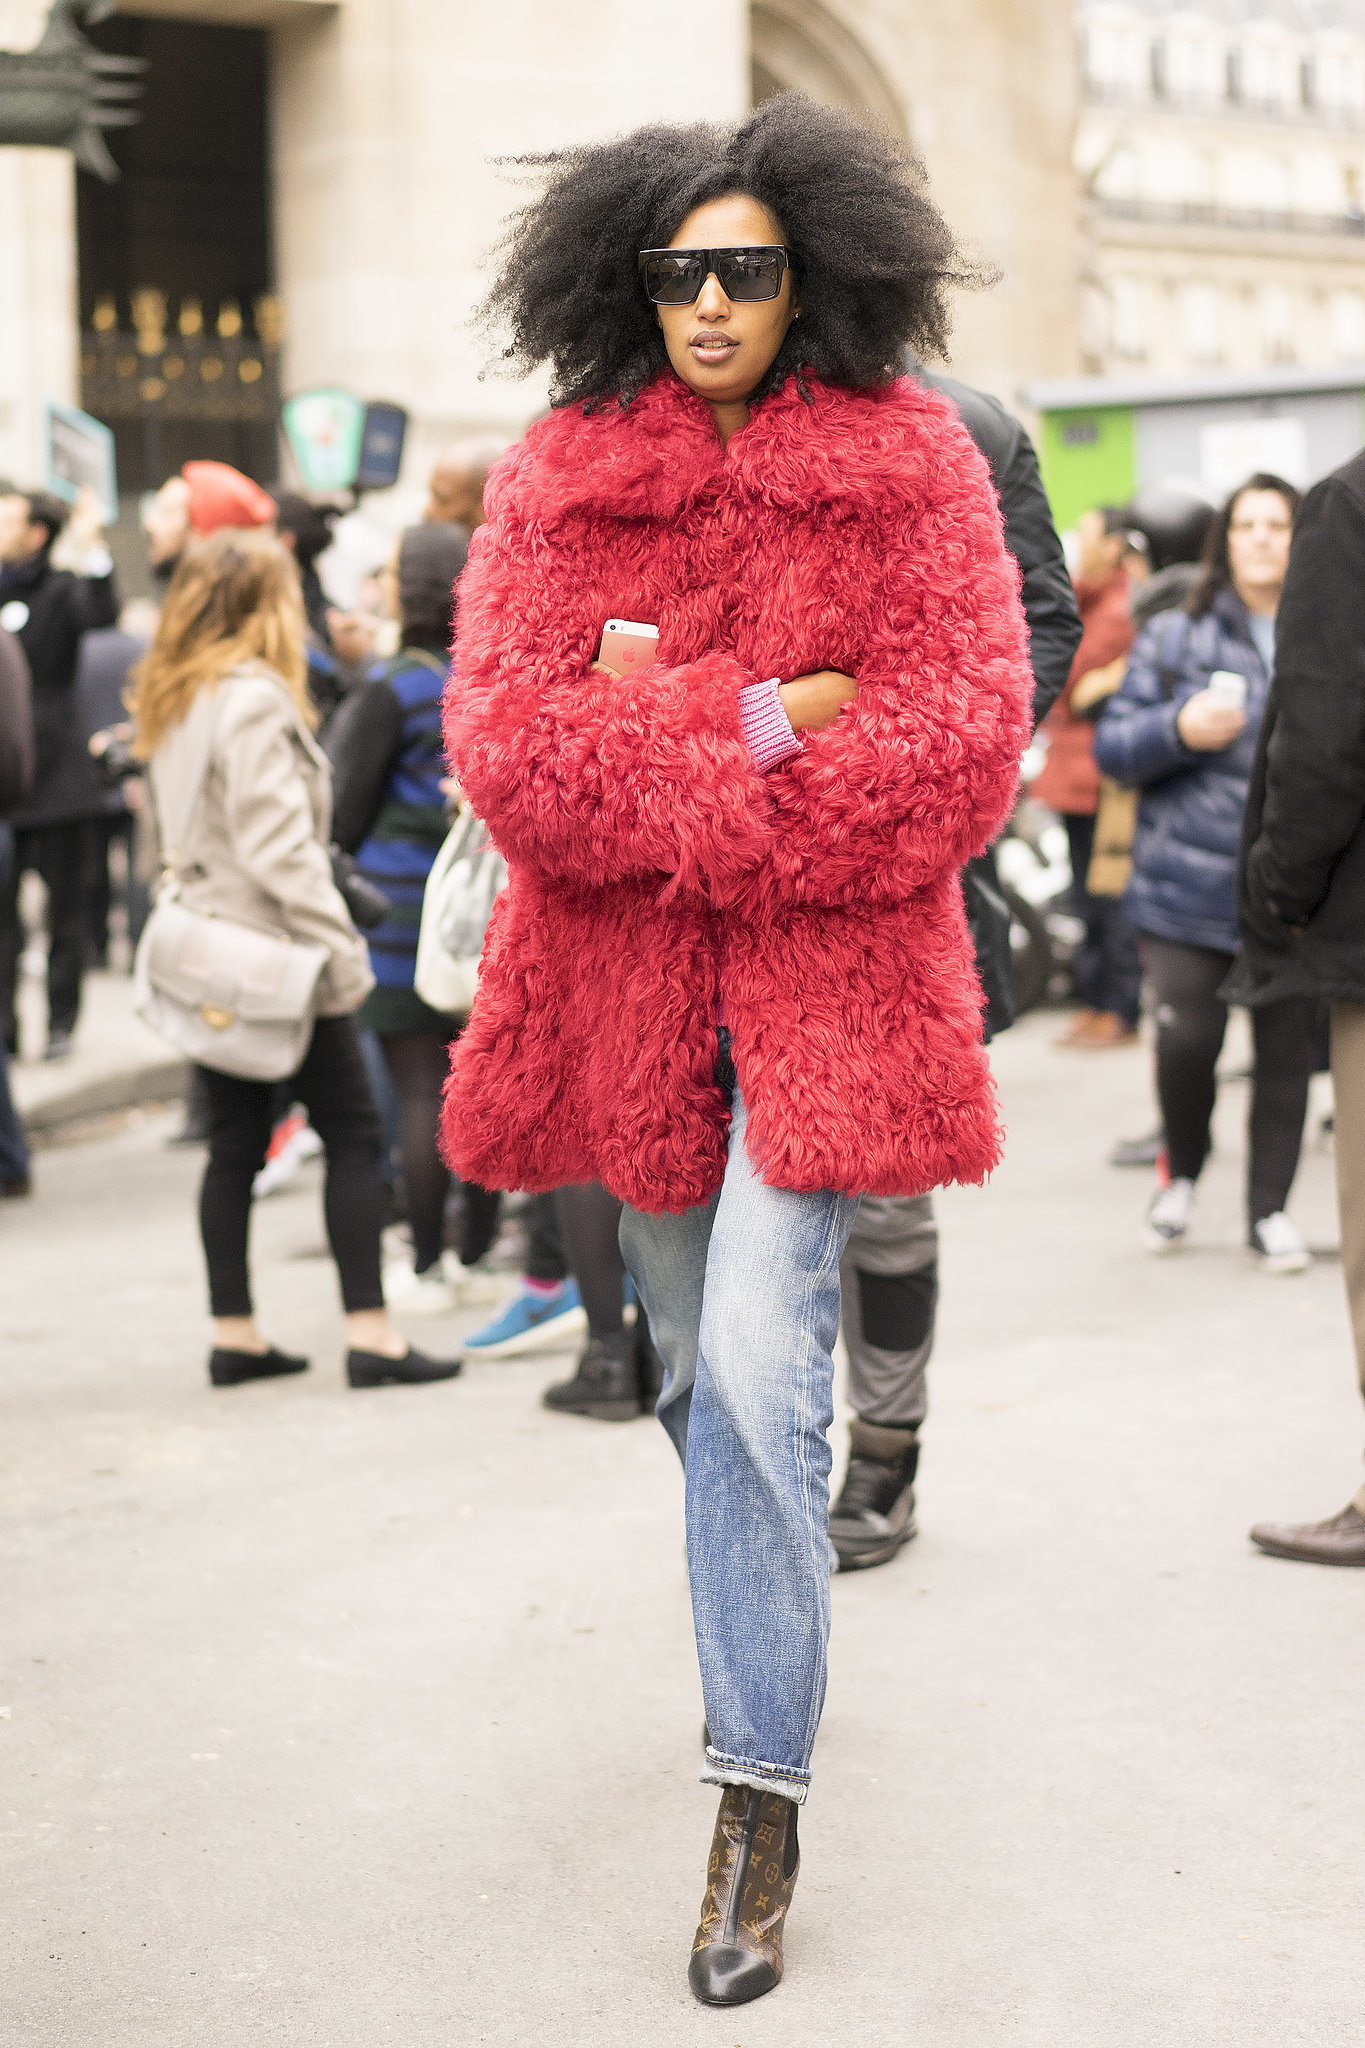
point(234, 598)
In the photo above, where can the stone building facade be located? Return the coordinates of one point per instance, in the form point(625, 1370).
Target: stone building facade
point(313, 190)
point(1221, 159)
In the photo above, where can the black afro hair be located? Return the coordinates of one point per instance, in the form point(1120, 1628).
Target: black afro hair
point(876, 258)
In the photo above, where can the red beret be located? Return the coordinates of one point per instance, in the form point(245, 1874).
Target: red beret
point(222, 496)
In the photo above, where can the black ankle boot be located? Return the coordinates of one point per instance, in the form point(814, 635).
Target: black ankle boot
point(648, 1364)
point(750, 1878)
point(233, 1368)
point(874, 1516)
point(413, 1369)
point(606, 1385)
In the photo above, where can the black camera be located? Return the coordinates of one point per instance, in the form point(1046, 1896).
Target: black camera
point(368, 906)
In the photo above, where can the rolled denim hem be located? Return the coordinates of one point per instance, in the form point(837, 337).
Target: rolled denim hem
point(742, 1770)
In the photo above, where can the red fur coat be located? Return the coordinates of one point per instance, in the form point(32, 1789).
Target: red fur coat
point(656, 875)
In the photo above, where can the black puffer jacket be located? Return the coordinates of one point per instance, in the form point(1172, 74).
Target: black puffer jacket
point(1301, 886)
point(1190, 813)
point(57, 608)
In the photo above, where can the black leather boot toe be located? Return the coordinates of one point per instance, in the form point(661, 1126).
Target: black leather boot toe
point(648, 1365)
point(606, 1385)
point(750, 1878)
point(874, 1516)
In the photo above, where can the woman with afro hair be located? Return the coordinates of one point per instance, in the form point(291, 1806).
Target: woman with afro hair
point(731, 977)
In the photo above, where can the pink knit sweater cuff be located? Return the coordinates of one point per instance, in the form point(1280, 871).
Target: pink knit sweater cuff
point(766, 728)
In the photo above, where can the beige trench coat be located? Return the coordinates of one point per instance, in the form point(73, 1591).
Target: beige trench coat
point(255, 847)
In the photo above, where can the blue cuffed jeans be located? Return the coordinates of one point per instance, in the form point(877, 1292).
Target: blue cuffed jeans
point(742, 1295)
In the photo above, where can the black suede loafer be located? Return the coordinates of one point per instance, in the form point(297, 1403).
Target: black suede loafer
point(234, 1368)
point(413, 1369)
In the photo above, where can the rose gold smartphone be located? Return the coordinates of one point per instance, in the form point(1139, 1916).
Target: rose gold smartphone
point(627, 645)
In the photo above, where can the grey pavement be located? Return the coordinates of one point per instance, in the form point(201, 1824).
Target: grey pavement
point(354, 1719)
point(116, 1062)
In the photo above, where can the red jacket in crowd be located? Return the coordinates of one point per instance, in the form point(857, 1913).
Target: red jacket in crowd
point(1069, 780)
point(658, 879)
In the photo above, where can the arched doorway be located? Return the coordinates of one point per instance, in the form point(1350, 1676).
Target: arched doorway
point(800, 43)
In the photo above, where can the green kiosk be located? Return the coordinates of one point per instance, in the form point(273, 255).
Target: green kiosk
point(1101, 437)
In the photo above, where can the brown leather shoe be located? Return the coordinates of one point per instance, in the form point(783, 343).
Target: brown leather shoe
point(750, 1878)
point(1104, 1030)
point(1340, 1540)
point(1081, 1021)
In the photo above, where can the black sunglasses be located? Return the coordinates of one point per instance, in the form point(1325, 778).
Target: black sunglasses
point(674, 277)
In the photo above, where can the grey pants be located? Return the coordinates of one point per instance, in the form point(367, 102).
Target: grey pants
point(889, 1278)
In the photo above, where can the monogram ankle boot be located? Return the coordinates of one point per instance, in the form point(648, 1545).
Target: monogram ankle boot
point(750, 1878)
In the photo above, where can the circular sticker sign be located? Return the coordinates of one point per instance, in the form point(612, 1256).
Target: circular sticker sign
point(14, 615)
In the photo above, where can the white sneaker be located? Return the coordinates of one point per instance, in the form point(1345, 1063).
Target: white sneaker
point(473, 1287)
point(1277, 1246)
point(299, 1144)
point(1168, 1217)
point(419, 1294)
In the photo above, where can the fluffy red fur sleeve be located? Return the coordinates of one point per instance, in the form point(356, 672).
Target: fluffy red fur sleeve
point(582, 775)
point(921, 772)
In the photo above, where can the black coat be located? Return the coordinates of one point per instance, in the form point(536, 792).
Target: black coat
point(60, 608)
point(106, 663)
point(1301, 880)
point(16, 724)
point(1054, 625)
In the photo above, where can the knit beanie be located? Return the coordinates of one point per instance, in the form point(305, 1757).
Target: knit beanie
point(430, 558)
point(222, 496)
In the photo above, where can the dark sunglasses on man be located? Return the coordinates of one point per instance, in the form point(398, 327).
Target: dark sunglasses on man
point(674, 277)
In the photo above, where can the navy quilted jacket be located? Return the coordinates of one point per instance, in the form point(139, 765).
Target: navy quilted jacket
point(1189, 825)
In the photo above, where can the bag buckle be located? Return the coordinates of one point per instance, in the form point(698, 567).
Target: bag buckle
point(215, 1017)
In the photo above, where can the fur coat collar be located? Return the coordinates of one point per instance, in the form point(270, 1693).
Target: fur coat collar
point(660, 454)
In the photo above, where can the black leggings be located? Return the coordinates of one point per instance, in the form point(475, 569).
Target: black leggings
point(1191, 1020)
point(334, 1088)
point(589, 1223)
point(419, 1062)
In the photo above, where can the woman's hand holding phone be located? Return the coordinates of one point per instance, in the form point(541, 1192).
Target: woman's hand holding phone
point(1207, 722)
point(811, 702)
point(815, 701)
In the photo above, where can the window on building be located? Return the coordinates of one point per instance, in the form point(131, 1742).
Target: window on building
point(1115, 52)
point(1232, 75)
point(1339, 73)
point(1194, 62)
point(1117, 176)
point(1253, 181)
point(1097, 326)
point(1317, 183)
point(1346, 320)
point(1128, 297)
point(1270, 69)
point(1158, 69)
point(1198, 171)
point(1199, 322)
point(1276, 323)
point(1308, 82)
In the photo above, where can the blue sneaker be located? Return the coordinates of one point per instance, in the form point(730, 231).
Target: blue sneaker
point(531, 1322)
